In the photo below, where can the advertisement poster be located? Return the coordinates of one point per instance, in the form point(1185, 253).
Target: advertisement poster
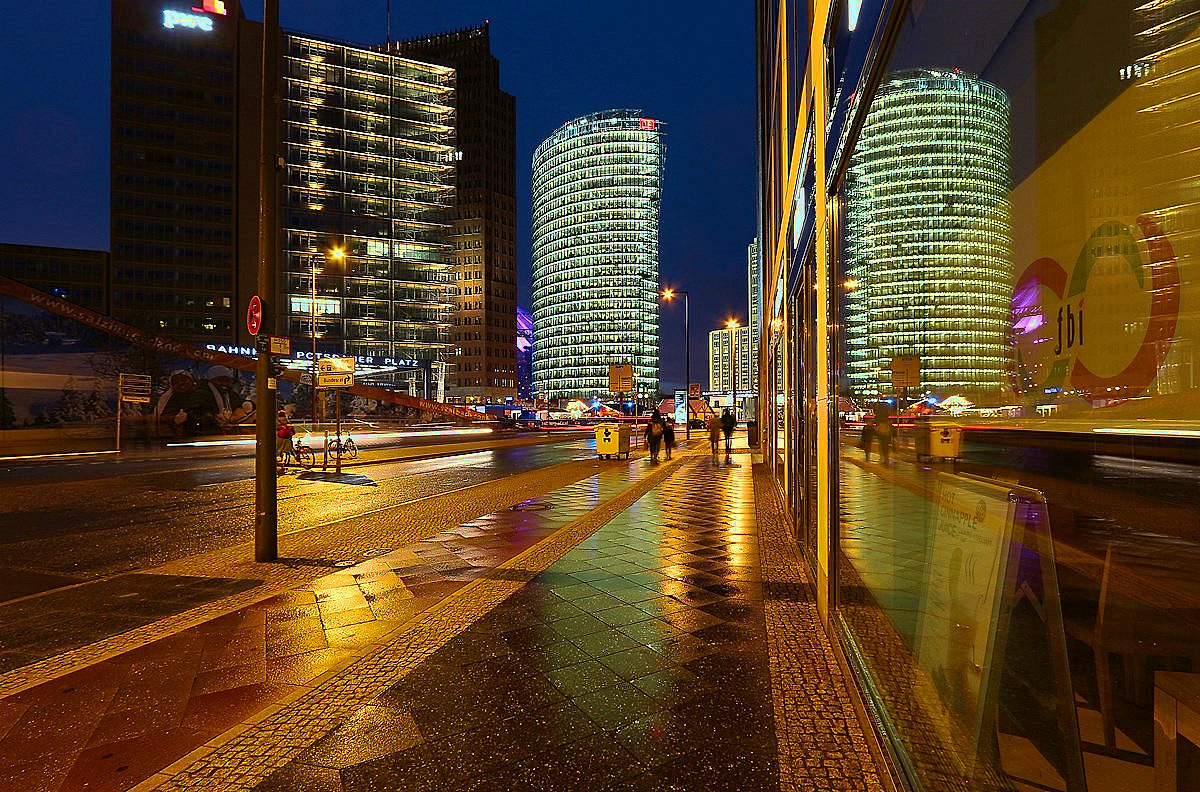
point(964, 585)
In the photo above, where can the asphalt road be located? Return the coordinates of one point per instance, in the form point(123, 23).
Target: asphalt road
point(78, 519)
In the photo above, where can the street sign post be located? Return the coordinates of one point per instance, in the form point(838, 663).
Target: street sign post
point(620, 378)
point(132, 388)
point(334, 379)
point(336, 373)
point(280, 345)
point(333, 365)
point(906, 371)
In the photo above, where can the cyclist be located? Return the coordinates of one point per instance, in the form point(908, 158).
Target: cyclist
point(284, 432)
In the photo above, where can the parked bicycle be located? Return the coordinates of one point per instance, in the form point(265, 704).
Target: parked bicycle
point(343, 448)
point(301, 455)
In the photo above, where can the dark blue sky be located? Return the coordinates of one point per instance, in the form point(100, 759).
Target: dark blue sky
point(689, 64)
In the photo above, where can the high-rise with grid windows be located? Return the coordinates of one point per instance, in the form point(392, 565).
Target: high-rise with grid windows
point(369, 181)
point(597, 183)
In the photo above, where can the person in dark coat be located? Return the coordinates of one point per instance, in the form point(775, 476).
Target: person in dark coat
point(655, 430)
point(728, 422)
point(669, 436)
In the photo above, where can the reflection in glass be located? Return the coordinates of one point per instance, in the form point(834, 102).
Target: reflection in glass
point(929, 237)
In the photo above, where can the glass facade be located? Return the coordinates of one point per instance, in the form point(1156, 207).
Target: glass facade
point(369, 145)
point(597, 183)
point(980, 223)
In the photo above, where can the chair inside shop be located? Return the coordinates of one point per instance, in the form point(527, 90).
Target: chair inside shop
point(1125, 623)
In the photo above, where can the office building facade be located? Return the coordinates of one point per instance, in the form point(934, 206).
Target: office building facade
point(1022, 176)
point(597, 184)
point(483, 266)
point(524, 355)
point(78, 276)
point(368, 141)
point(175, 178)
point(731, 361)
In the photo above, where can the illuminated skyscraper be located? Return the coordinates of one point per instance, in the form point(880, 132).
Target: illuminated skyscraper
point(484, 217)
point(596, 187)
point(929, 237)
point(369, 146)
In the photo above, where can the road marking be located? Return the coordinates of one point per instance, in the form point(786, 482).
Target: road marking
point(55, 456)
point(392, 506)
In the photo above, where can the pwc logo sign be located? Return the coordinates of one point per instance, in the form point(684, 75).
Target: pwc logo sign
point(198, 18)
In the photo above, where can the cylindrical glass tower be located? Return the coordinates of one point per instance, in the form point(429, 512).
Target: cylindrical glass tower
point(596, 187)
point(929, 237)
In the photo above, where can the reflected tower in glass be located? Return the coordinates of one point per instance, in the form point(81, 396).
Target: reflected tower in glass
point(928, 244)
point(597, 182)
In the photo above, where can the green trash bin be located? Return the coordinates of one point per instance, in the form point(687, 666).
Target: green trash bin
point(612, 440)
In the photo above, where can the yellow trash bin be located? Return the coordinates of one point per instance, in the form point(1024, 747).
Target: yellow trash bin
point(939, 440)
point(612, 440)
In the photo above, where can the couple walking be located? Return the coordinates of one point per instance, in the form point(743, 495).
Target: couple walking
point(659, 432)
point(722, 424)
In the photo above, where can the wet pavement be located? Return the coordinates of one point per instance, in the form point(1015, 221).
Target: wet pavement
point(646, 627)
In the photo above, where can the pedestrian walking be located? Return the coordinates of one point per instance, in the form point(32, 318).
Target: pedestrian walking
point(669, 436)
point(714, 432)
point(728, 422)
point(868, 438)
point(655, 430)
point(884, 433)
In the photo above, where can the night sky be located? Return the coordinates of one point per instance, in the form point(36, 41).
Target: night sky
point(689, 64)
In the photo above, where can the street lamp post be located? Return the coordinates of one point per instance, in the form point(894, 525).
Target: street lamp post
point(334, 254)
point(668, 295)
point(733, 325)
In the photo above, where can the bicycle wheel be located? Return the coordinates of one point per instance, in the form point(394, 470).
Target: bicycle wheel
point(351, 448)
point(304, 457)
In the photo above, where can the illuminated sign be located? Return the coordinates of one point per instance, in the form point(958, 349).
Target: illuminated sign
point(198, 19)
point(647, 123)
point(177, 19)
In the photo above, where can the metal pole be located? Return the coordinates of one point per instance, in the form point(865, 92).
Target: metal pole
point(337, 395)
point(266, 516)
point(120, 387)
point(313, 332)
point(733, 373)
point(687, 369)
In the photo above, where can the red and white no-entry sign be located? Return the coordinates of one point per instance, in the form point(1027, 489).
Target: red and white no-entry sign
point(254, 315)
